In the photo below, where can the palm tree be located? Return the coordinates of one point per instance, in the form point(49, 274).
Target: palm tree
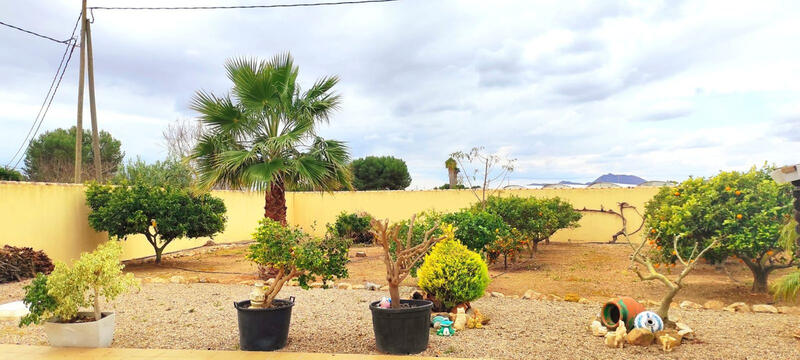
point(452, 172)
point(263, 135)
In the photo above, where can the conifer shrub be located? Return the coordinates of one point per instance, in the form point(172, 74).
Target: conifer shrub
point(453, 274)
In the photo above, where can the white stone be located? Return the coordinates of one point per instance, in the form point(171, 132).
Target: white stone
point(765, 308)
point(686, 304)
point(13, 311)
point(497, 294)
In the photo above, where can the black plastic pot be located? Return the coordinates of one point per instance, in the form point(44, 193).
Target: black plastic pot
point(264, 329)
point(404, 330)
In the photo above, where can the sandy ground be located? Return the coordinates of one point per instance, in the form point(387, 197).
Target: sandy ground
point(201, 316)
point(594, 271)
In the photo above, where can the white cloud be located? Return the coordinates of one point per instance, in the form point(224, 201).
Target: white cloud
point(660, 89)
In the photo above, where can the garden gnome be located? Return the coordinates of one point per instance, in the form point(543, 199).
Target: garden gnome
point(445, 328)
point(258, 296)
point(461, 319)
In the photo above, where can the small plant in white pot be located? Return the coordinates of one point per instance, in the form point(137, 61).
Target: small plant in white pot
point(57, 299)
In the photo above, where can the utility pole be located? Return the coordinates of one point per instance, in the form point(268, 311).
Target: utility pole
point(79, 127)
point(98, 172)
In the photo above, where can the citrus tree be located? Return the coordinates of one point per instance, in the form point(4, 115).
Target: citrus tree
point(535, 219)
point(744, 211)
point(161, 214)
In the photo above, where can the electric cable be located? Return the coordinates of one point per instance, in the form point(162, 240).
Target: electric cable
point(238, 6)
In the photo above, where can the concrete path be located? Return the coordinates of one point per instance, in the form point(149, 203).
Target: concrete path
point(20, 352)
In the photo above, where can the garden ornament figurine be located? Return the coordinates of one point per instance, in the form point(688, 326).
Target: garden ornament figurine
point(649, 320)
point(616, 339)
point(258, 296)
point(385, 303)
point(446, 328)
point(437, 321)
point(461, 319)
point(667, 341)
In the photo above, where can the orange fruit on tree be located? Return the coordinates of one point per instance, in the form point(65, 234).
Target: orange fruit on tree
point(652, 231)
point(677, 193)
point(738, 216)
point(674, 252)
point(658, 247)
point(651, 242)
point(727, 188)
point(656, 265)
point(738, 193)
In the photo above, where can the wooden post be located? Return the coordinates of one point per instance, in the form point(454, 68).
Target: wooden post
point(98, 172)
point(79, 126)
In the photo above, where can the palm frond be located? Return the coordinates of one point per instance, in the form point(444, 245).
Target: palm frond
point(787, 287)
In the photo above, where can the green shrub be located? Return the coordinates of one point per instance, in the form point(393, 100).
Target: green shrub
point(68, 289)
point(352, 226)
point(295, 254)
point(10, 175)
point(161, 214)
point(453, 274)
point(38, 301)
point(535, 219)
point(508, 246)
point(424, 221)
point(476, 229)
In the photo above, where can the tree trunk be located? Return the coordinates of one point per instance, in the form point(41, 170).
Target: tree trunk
point(158, 254)
point(97, 314)
point(666, 301)
point(505, 261)
point(394, 294)
point(275, 202)
point(759, 279)
point(453, 179)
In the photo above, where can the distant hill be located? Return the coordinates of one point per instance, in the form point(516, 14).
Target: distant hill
point(619, 179)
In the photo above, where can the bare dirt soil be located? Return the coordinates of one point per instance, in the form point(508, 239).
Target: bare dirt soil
point(594, 271)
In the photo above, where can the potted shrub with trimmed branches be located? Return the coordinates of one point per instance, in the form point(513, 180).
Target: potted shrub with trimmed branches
point(403, 327)
point(56, 299)
point(293, 254)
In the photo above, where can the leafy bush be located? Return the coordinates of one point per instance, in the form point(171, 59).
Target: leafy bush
point(161, 214)
point(508, 246)
point(422, 223)
point(746, 212)
point(453, 274)
point(160, 173)
point(380, 173)
point(17, 263)
point(38, 301)
point(96, 274)
point(476, 229)
point(51, 156)
point(352, 226)
point(295, 254)
point(535, 219)
point(10, 175)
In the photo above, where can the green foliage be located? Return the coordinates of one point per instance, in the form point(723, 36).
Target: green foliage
point(292, 250)
point(453, 274)
point(507, 246)
point(265, 133)
point(10, 175)
point(380, 173)
point(161, 214)
point(170, 172)
point(535, 219)
point(455, 187)
point(96, 274)
point(352, 226)
point(787, 287)
point(38, 301)
point(51, 156)
point(745, 211)
point(476, 229)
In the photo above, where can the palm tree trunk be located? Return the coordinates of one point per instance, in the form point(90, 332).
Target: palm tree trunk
point(451, 174)
point(275, 202)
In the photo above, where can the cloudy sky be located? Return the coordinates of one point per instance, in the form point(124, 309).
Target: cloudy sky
point(572, 90)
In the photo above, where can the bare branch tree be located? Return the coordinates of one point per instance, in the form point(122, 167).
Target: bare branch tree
point(483, 172)
point(180, 137)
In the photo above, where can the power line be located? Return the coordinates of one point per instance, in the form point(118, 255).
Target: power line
point(51, 92)
point(36, 34)
point(241, 6)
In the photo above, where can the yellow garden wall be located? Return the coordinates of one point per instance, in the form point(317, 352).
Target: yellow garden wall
point(53, 217)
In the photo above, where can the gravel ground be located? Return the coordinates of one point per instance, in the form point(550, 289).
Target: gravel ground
point(201, 316)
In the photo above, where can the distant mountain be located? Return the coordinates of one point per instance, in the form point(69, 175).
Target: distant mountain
point(619, 179)
point(565, 182)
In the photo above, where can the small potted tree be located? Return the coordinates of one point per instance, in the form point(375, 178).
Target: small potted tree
point(293, 254)
point(55, 299)
point(403, 327)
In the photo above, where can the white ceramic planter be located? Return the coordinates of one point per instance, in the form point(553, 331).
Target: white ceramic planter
point(93, 334)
